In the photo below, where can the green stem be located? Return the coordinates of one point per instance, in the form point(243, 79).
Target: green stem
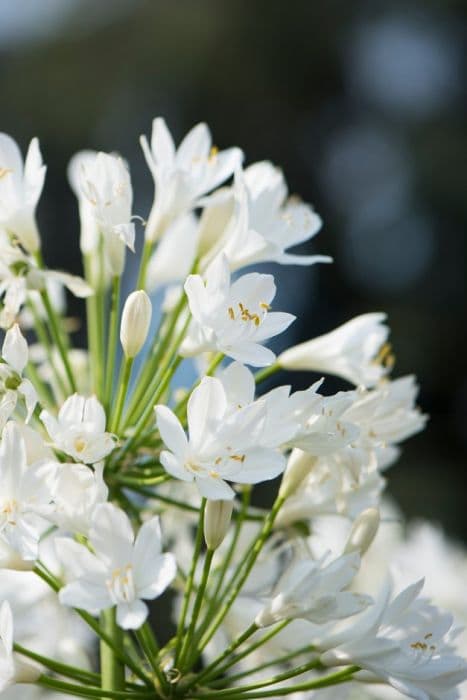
point(41, 571)
point(285, 675)
point(246, 497)
point(92, 323)
point(112, 670)
point(278, 661)
point(149, 378)
point(79, 674)
point(208, 671)
point(112, 342)
point(148, 411)
point(242, 574)
point(196, 608)
point(58, 338)
point(323, 682)
point(122, 392)
point(266, 372)
point(253, 647)
point(42, 336)
point(149, 646)
point(88, 692)
point(143, 265)
point(189, 582)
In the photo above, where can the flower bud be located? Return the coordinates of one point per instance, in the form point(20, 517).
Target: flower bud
point(298, 467)
point(363, 531)
point(136, 317)
point(216, 522)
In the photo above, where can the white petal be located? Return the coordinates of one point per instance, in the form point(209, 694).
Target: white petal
point(130, 616)
point(174, 466)
point(206, 406)
point(171, 431)
point(155, 575)
point(111, 535)
point(15, 349)
point(215, 489)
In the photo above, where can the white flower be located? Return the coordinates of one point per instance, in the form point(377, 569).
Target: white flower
point(404, 641)
point(12, 670)
point(222, 446)
point(350, 351)
point(183, 176)
point(387, 414)
point(20, 189)
point(122, 571)
point(15, 357)
point(25, 494)
point(315, 591)
point(322, 427)
point(233, 318)
point(330, 488)
point(79, 430)
point(78, 490)
point(105, 197)
point(254, 222)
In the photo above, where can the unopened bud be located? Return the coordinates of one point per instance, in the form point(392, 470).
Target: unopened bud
point(136, 317)
point(298, 467)
point(363, 531)
point(216, 522)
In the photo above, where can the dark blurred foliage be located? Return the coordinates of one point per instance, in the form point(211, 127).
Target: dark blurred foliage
point(361, 103)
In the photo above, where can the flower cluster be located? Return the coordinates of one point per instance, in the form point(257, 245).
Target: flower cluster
point(117, 487)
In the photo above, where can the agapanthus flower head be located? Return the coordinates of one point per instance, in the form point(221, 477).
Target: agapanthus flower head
point(117, 483)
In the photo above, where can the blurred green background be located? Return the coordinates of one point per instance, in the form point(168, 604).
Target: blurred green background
point(361, 103)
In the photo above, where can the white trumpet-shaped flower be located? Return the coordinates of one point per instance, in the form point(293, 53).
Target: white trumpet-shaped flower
point(26, 493)
point(315, 591)
point(103, 185)
point(254, 221)
point(20, 188)
point(404, 641)
point(233, 318)
point(223, 445)
point(122, 570)
point(182, 176)
point(355, 351)
point(79, 429)
point(15, 358)
point(12, 668)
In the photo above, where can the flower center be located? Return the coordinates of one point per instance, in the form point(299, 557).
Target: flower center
point(9, 512)
point(121, 585)
point(80, 444)
point(244, 314)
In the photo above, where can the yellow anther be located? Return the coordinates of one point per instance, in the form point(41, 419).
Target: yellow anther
point(231, 313)
point(213, 154)
point(4, 171)
point(238, 458)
